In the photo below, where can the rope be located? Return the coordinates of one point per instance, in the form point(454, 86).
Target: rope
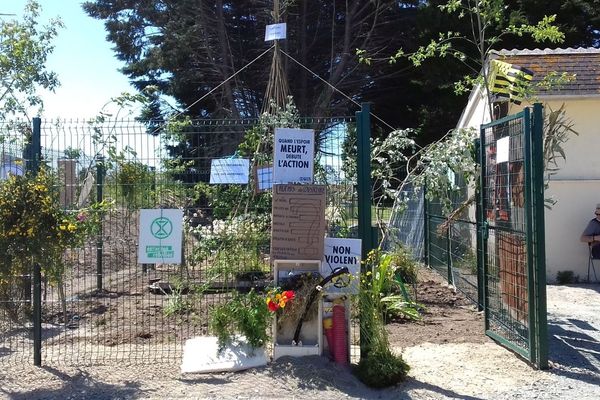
point(218, 86)
point(336, 89)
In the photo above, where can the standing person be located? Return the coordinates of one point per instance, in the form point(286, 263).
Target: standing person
point(591, 234)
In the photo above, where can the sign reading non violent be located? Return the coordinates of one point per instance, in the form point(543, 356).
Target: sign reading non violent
point(294, 155)
point(298, 223)
point(338, 253)
point(229, 170)
point(160, 236)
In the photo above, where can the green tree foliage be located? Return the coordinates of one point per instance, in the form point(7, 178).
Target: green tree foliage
point(186, 48)
point(24, 49)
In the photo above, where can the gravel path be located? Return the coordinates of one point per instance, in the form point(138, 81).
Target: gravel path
point(439, 371)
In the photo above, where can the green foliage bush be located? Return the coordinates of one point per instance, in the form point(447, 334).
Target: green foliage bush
point(381, 368)
point(566, 277)
point(245, 314)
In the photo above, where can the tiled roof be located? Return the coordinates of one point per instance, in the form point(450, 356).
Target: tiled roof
point(583, 62)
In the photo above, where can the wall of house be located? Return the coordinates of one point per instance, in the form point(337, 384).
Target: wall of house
point(576, 188)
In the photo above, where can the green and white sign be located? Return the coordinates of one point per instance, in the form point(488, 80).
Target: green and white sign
point(160, 236)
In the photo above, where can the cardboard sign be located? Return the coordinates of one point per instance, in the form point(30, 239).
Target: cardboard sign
point(298, 223)
point(229, 170)
point(294, 155)
point(338, 253)
point(275, 31)
point(160, 236)
point(263, 177)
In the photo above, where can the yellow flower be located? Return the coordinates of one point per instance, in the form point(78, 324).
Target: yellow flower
point(71, 227)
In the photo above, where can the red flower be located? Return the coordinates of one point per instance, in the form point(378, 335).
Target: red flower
point(272, 305)
point(289, 294)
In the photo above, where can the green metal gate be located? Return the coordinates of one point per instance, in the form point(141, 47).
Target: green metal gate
point(511, 229)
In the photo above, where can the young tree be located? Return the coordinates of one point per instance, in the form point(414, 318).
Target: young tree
point(24, 49)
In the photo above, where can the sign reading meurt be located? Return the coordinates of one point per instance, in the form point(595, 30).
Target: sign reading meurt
point(294, 155)
point(160, 236)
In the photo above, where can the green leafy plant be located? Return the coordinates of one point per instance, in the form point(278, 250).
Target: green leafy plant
point(34, 228)
point(566, 277)
point(379, 367)
point(245, 314)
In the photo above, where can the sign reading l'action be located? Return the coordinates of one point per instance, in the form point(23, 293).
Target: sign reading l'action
point(294, 155)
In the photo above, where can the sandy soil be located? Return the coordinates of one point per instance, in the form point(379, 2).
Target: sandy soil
point(449, 355)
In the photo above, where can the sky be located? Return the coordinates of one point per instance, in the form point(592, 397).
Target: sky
point(83, 59)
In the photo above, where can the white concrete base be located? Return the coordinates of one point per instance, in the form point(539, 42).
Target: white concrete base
point(200, 356)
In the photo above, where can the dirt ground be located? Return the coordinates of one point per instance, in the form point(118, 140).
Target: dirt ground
point(448, 317)
point(451, 330)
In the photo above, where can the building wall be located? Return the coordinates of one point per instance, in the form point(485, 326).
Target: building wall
point(576, 188)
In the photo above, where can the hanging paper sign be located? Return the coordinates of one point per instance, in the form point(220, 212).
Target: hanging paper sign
point(339, 253)
point(275, 31)
point(160, 236)
point(294, 155)
point(263, 177)
point(502, 149)
point(229, 170)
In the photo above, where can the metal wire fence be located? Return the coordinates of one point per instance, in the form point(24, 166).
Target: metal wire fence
point(108, 308)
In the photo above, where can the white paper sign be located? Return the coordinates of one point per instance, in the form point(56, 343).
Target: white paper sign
point(264, 177)
point(294, 155)
point(160, 236)
point(275, 31)
point(339, 253)
point(229, 170)
point(502, 149)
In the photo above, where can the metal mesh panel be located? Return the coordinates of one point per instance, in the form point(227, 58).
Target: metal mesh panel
point(15, 286)
point(110, 308)
point(506, 275)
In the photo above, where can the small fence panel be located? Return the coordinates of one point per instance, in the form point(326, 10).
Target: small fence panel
point(451, 244)
point(513, 235)
point(103, 306)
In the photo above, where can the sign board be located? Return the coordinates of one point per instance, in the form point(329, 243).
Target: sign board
point(338, 253)
point(160, 236)
point(294, 155)
point(275, 31)
point(229, 170)
point(298, 222)
point(263, 177)
point(502, 149)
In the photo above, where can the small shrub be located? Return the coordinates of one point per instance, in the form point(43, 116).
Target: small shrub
point(245, 314)
point(381, 368)
point(566, 277)
point(404, 265)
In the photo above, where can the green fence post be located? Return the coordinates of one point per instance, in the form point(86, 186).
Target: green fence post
point(540, 240)
point(100, 171)
point(363, 166)
point(449, 253)
point(479, 219)
point(34, 155)
point(37, 315)
point(425, 227)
